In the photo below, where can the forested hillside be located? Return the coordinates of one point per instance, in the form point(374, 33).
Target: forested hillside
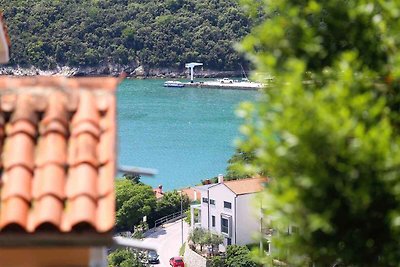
point(162, 33)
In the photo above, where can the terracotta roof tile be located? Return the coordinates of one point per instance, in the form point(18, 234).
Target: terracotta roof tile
point(103, 217)
point(82, 180)
point(46, 214)
point(106, 143)
point(49, 179)
point(192, 194)
point(87, 110)
point(50, 148)
point(105, 186)
point(58, 145)
point(12, 152)
point(158, 192)
point(14, 214)
point(82, 213)
point(83, 149)
point(17, 183)
point(246, 186)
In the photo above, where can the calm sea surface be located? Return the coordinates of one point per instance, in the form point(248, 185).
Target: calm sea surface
point(186, 134)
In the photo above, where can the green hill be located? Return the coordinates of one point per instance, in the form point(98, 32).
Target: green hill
point(156, 34)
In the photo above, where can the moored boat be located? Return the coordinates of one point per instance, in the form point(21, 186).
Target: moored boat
point(173, 84)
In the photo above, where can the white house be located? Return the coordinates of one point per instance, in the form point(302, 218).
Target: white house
point(226, 208)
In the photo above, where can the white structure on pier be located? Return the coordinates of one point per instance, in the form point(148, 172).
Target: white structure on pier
point(191, 66)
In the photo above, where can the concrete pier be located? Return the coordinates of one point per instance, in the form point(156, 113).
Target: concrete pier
point(232, 86)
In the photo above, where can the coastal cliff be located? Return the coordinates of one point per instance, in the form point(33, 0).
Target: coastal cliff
point(115, 70)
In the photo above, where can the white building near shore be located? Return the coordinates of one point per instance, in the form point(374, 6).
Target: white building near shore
point(226, 208)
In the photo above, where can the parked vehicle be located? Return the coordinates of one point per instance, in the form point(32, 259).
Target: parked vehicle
point(152, 257)
point(176, 262)
point(226, 80)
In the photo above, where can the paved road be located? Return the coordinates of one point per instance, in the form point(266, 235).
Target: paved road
point(167, 239)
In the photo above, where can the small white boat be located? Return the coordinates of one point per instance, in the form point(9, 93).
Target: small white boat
point(173, 84)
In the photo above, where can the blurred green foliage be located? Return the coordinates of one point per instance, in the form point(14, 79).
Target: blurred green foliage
point(327, 132)
point(238, 166)
point(165, 33)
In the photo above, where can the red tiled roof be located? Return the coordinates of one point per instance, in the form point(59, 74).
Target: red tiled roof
point(57, 148)
point(158, 192)
point(246, 186)
point(192, 194)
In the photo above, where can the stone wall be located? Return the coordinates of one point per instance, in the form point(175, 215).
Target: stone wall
point(192, 259)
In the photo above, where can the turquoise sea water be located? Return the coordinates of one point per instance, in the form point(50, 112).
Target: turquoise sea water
point(186, 134)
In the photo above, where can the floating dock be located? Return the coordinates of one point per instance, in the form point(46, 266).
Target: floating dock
point(232, 86)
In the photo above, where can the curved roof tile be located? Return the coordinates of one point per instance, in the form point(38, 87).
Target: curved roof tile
point(58, 144)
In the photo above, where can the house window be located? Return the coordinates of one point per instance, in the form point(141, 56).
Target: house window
point(224, 225)
point(212, 201)
point(213, 221)
point(227, 205)
point(205, 200)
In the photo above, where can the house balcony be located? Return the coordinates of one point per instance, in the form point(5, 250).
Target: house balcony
point(195, 216)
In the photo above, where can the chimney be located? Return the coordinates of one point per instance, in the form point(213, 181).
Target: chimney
point(160, 188)
point(220, 178)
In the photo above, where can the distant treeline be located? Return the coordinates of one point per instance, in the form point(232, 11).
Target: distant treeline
point(162, 33)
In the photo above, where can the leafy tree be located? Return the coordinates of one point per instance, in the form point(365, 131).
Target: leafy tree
point(124, 258)
point(238, 166)
point(213, 240)
point(134, 178)
point(133, 202)
point(203, 237)
point(168, 204)
point(166, 33)
point(236, 256)
point(197, 236)
point(327, 131)
point(218, 261)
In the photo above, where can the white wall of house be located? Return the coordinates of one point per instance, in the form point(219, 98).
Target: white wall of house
point(204, 209)
point(248, 220)
point(244, 221)
point(221, 194)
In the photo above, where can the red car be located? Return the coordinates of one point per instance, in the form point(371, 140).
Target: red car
point(176, 262)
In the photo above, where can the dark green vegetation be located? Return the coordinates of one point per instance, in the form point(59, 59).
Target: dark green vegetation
point(135, 200)
point(236, 256)
point(165, 33)
point(126, 258)
point(331, 144)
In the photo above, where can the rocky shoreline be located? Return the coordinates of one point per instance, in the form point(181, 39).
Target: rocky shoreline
point(133, 72)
